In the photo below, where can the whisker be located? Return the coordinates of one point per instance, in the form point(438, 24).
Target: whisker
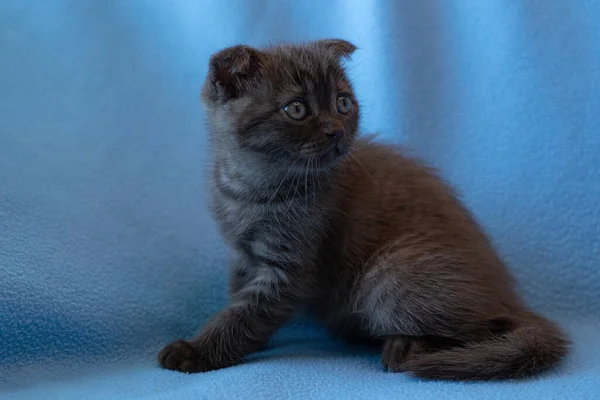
point(313, 183)
point(293, 185)
point(278, 187)
point(306, 186)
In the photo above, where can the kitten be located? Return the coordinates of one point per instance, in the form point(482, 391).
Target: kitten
point(372, 242)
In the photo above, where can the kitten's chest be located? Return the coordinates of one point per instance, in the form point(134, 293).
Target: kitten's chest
point(243, 223)
point(277, 226)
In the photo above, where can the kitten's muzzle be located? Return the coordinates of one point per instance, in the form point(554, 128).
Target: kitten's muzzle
point(335, 140)
point(336, 135)
point(333, 129)
point(336, 146)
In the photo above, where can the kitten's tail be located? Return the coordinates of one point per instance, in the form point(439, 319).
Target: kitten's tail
point(532, 347)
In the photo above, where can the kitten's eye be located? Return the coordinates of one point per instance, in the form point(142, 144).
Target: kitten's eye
point(296, 110)
point(344, 104)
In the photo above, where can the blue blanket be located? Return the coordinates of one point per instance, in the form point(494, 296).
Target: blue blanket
point(108, 252)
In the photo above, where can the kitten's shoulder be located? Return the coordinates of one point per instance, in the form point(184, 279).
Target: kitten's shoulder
point(377, 165)
point(377, 154)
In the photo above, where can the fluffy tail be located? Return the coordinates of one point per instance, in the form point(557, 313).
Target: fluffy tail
point(534, 347)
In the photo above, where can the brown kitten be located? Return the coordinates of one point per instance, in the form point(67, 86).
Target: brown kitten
point(374, 243)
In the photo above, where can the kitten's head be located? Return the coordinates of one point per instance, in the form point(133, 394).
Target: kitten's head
point(286, 105)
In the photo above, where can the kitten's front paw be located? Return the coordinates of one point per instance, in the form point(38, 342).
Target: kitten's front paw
point(183, 357)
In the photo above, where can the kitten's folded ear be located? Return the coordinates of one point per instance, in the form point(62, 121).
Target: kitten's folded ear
point(232, 69)
point(337, 47)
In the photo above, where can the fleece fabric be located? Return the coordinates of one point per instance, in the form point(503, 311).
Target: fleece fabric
point(108, 251)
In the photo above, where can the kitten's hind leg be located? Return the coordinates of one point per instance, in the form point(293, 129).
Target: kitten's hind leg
point(426, 298)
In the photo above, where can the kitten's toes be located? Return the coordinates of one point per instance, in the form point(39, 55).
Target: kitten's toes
point(182, 356)
point(397, 350)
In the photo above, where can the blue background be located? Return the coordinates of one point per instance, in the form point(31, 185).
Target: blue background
point(108, 252)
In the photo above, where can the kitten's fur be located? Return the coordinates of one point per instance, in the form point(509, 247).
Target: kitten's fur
point(371, 241)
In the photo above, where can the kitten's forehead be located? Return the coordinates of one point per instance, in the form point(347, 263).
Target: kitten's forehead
point(306, 66)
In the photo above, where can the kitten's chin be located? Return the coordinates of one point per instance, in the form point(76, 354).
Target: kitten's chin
point(333, 154)
point(323, 161)
point(330, 159)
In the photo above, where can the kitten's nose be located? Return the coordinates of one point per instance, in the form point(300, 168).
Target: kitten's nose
point(337, 134)
point(333, 129)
